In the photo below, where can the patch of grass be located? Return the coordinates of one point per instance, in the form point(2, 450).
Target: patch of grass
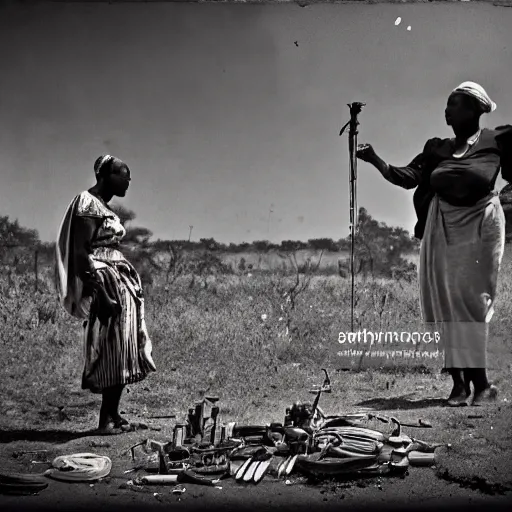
point(229, 338)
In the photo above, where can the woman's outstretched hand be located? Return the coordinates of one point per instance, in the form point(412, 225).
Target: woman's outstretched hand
point(366, 153)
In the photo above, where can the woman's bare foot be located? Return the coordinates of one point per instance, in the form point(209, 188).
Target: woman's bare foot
point(119, 421)
point(110, 429)
point(459, 395)
point(486, 396)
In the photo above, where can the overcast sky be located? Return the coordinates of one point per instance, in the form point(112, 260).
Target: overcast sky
point(225, 111)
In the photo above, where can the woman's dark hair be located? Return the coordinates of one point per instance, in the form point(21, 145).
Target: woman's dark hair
point(106, 168)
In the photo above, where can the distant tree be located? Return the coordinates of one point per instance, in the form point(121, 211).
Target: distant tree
point(182, 244)
point(322, 244)
point(209, 244)
point(138, 235)
point(125, 215)
point(378, 247)
point(343, 244)
point(161, 245)
point(291, 245)
point(17, 243)
point(14, 235)
point(261, 245)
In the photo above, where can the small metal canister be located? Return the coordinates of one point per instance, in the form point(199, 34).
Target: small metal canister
point(179, 435)
point(217, 434)
point(229, 430)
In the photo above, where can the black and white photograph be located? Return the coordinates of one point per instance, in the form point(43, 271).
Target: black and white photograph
point(255, 255)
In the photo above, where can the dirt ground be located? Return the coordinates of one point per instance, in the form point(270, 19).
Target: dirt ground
point(474, 472)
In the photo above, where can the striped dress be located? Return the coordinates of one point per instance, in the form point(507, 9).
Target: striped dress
point(119, 352)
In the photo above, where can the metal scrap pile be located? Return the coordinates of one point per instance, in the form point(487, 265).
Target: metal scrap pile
point(204, 451)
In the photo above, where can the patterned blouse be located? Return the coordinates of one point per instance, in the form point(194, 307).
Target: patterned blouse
point(105, 243)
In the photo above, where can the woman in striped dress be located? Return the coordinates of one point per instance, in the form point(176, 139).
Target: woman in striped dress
point(97, 284)
point(461, 224)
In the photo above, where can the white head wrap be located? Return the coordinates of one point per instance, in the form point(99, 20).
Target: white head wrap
point(478, 92)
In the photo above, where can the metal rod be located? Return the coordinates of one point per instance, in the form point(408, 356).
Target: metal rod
point(352, 135)
point(355, 109)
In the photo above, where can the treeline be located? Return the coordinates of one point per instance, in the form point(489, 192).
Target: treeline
point(379, 249)
point(12, 235)
point(210, 244)
point(403, 242)
point(372, 237)
point(15, 240)
point(368, 228)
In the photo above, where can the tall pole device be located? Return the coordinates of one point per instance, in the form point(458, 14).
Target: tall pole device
point(355, 110)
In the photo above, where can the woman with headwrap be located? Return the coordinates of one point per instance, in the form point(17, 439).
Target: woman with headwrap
point(97, 284)
point(461, 224)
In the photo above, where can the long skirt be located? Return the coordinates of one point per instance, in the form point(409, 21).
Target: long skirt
point(118, 352)
point(460, 258)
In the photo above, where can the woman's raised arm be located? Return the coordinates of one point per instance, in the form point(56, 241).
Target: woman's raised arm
point(407, 177)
